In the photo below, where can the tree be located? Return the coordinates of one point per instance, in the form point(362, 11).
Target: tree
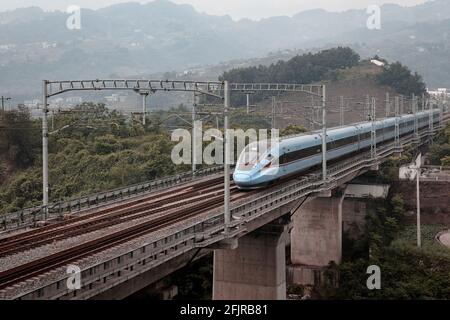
point(446, 161)
point(99, 151)
point(18, 138)
point(292, 129)
point(438, 152)
point(402, 79)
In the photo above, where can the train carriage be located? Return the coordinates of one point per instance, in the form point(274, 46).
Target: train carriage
point(294, 155)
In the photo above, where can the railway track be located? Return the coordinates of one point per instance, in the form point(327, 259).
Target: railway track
point(103, 218)
point(177, 214)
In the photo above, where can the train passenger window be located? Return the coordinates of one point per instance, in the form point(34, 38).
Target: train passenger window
point(300, 154)
point(365, 136)
point(344, 142)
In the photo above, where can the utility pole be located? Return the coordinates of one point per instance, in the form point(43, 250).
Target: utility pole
point(273, 111)
point(423, 102)
point(324, 134)
point(341, 122)
point(194, 138)
point(347, 108)
point(280, 107)
point(144, 94)
point(45, 149)
point(367, 108)
point(318, 115)
point(431, 122)
point(417, 167)
point(373, 151)
point(397, 125)
point(419, 233)
point(388, 105)
point(53, 120)
point(402, 104)
point(144, 106)
point(412, 172)
point(248, 93)
point(415, 106)
point(3, 102)
point(227, 213)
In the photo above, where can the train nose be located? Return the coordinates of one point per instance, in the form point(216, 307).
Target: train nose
point(242, 180)
point(241, 177)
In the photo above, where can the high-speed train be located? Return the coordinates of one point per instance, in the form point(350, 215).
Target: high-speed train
point(292, 155)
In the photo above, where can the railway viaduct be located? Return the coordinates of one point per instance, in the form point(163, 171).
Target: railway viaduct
point(249, 254)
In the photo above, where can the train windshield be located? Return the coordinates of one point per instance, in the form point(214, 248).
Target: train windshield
point(253, 153)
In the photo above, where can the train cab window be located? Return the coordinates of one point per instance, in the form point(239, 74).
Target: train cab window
point(248, 157)
point(253, 153)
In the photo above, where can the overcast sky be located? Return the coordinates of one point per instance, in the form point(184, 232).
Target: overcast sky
point(237, 9)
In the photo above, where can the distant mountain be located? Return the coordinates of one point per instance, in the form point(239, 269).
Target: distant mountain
point(129, 40)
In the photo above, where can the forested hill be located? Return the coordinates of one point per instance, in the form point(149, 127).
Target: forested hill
point(326, 65)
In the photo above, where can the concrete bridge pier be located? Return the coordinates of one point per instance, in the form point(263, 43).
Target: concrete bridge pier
point(316, 238)
point(256, 269)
